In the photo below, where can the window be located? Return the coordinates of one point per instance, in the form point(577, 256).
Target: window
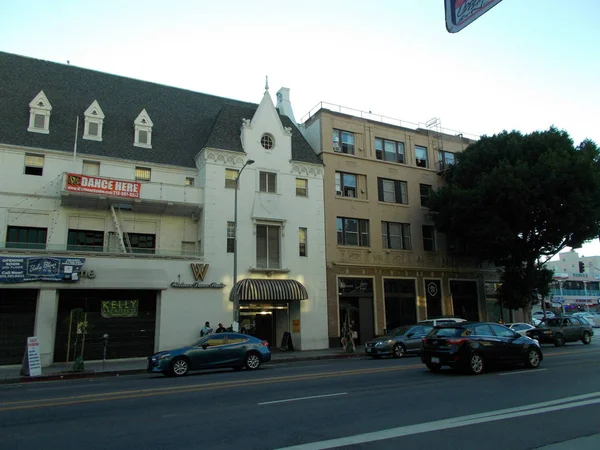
point(26, 237)
point(142, 243)
point(352, 232)
point(301, 187)
point(94, 119)
point(267, 141)
point(39, 114)
point(91, 168)
point(230, 236)
point(143, 130)
point(425, 191)
point(230, 177)
point(34, 164)
point(268, 182)
point(501, 331)
point(85, 240)
point(391, 151)
point(345, 184)
point(395, 235)
point(143, 173)
point(214, 341)
point(421, 156)
point(92, 129)
point(189, 181)
point(429, 238)
point(343, 142)
point(445, 159)
point(39, 121)
point(482, 330)
point(267, 246)
point(392, 191)
point(302, 237)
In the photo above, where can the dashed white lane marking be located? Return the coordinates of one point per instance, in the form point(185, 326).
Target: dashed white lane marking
point(521, 371)
point(303, 398)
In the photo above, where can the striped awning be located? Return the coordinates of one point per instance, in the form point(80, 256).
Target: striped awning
point(259, 290)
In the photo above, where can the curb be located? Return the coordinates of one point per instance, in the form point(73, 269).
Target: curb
point(124, 372)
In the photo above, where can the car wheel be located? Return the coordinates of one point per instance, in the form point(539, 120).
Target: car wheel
point(475, 365)
point(398, 351)
point(559, 340)
point(533, 358)
point(252, 361)
point(180, 367)
point(433, 367)
point(587, 337)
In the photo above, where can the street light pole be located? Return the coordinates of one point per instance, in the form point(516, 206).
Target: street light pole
point(236, 300)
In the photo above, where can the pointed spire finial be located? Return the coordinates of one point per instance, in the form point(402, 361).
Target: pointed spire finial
point(266, 82)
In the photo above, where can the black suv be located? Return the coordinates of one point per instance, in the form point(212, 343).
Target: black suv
point(473, 345)
point(561, 329)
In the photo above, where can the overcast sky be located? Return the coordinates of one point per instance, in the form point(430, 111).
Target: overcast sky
point(525, 65)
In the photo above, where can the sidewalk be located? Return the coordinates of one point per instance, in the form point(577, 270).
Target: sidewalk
point(11, 374)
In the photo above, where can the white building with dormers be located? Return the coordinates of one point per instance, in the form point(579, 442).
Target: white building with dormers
point(117, 209)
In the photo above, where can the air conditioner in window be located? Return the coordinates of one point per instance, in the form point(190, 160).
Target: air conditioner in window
point(337, 149)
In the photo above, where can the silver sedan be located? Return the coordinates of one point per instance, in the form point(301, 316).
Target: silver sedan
point(399, 342)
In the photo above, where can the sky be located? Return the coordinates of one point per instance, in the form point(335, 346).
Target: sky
point(525, 65)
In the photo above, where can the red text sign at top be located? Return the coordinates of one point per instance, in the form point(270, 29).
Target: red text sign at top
point(105, 186)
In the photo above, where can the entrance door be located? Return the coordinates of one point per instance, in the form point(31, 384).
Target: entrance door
point(17, 320)
point(464, 299)
point(264, 327)
point(400, 303)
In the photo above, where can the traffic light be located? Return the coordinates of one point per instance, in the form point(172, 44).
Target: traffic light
point(581, 267)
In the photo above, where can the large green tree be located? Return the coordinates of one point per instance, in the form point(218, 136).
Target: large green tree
point(518, 199)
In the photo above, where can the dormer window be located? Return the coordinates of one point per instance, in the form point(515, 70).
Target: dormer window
point(39, 114)
point(143, 130)
point(94, 119)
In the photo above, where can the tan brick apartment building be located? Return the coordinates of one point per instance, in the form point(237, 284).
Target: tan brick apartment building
point(386, 264)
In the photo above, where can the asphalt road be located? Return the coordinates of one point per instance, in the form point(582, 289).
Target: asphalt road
point(354, 403)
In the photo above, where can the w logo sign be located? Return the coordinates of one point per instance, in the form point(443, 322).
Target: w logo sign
point(199, 271)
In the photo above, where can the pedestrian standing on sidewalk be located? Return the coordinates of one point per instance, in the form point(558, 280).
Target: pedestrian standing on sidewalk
point(206, 329)
point(221, 328)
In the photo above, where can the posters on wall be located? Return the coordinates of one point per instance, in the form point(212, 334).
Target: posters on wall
point(42, 268)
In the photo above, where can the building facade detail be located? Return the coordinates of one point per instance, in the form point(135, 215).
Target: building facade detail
point(152, 229)
point(39, 114)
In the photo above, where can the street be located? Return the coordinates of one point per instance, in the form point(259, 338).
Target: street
point(354, 403)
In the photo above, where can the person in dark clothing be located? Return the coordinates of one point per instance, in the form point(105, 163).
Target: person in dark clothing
point(221, 328)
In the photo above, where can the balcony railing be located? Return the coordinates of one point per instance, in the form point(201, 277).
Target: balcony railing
point(379, 118)
point(83, 191)
point(95, 250)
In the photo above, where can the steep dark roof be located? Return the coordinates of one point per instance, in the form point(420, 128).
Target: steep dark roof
point(184, 121)
point(226, 132)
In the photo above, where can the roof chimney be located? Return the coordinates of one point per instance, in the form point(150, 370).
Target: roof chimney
point(284, 105)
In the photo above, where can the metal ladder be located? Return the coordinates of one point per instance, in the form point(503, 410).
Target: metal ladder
point(123, 236)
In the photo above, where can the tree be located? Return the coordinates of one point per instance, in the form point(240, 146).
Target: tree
point(518, 199)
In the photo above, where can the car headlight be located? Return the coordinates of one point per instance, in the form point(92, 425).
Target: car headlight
point(383, 343)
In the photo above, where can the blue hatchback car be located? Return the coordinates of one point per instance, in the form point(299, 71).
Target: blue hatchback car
point(233, 350)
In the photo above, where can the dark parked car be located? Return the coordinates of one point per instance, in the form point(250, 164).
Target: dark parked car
point(400, 341)
point(559, 330)
point(233, 350)
point(472, 346)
